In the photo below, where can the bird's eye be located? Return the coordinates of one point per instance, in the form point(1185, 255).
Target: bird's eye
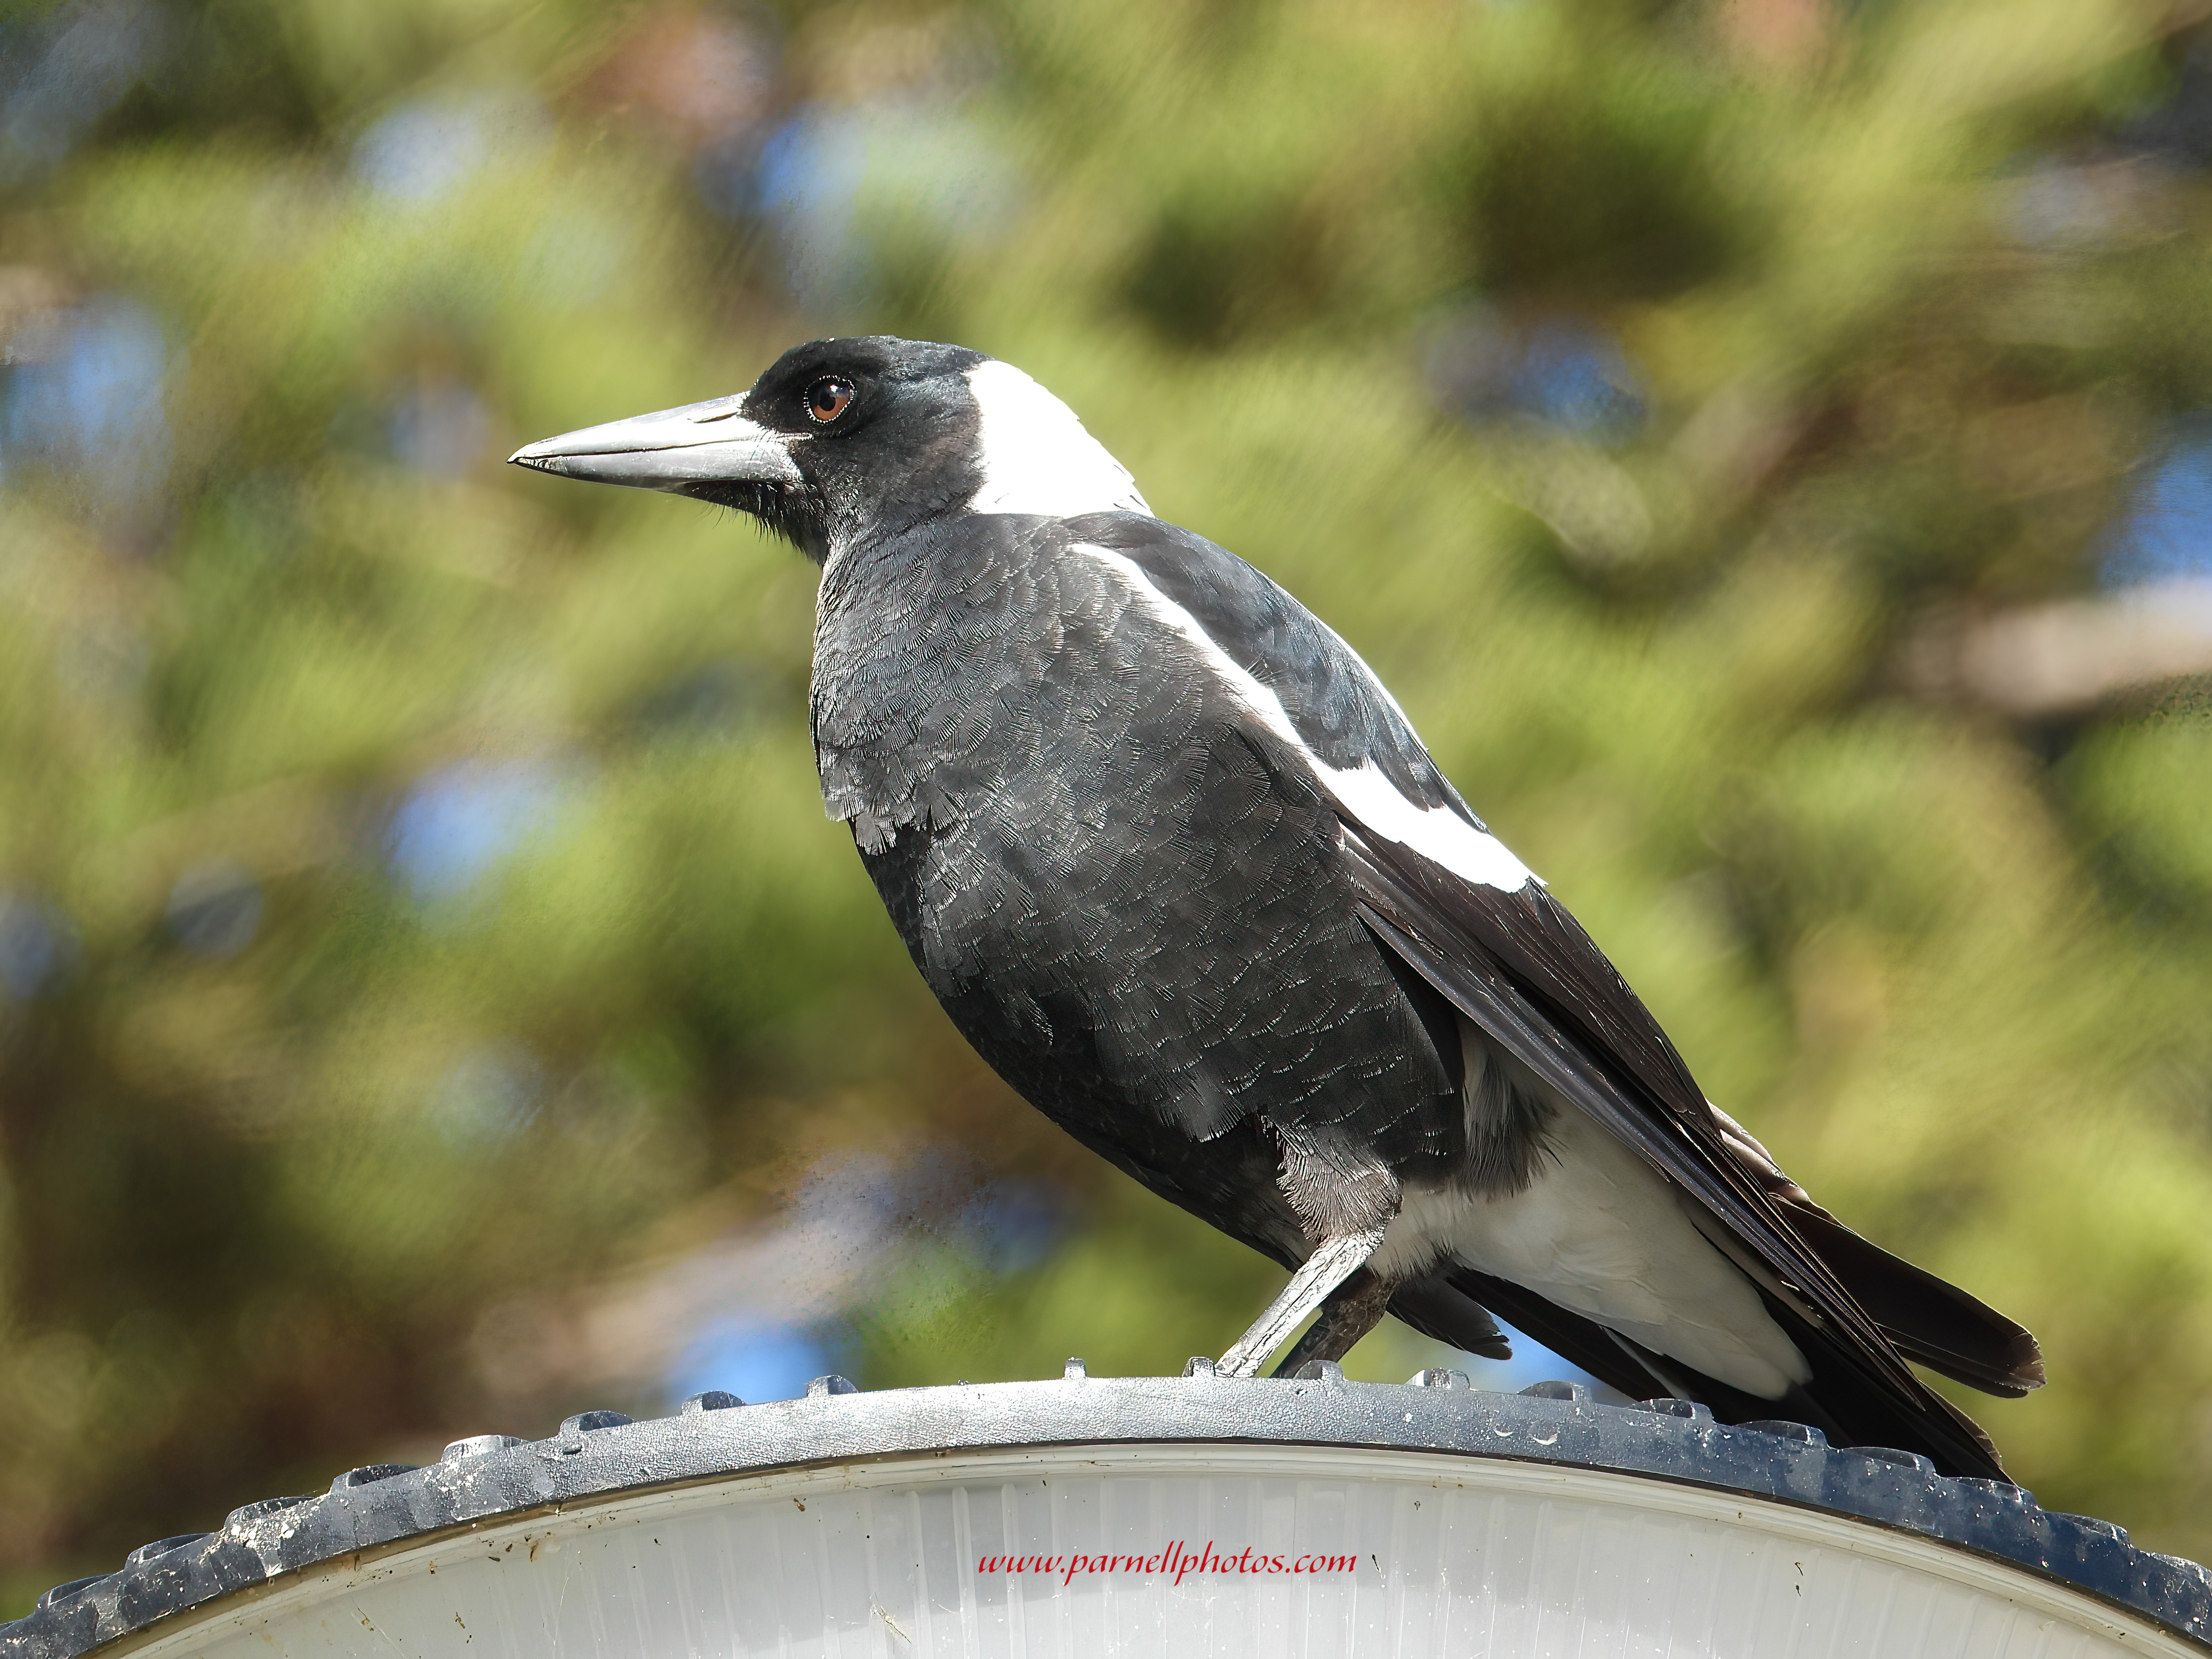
point(828, 398)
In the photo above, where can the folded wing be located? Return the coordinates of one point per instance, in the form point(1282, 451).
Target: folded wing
point(1519, 966)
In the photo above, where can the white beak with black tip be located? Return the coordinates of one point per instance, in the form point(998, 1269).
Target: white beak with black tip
point(700, 443)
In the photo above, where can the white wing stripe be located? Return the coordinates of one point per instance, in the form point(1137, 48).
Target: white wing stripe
point(1437, 832)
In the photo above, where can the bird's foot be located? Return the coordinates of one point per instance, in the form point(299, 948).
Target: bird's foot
point(1329, 1266)
point(1355, 1309)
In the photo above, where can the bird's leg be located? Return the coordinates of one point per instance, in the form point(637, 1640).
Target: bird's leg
point(1354, 1309)
point(1328, 1267)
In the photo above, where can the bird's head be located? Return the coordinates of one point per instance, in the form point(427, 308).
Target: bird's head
point(844, 440)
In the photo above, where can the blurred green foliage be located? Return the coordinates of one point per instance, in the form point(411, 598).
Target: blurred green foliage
point(428, 987)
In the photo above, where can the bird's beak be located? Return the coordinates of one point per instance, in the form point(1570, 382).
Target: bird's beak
point(700, 443)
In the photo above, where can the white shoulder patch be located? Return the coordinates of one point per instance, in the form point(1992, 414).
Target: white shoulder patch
point(1036, 458)
point(1437, 833)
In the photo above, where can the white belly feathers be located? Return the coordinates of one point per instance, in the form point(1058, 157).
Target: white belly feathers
point(1600, 1233)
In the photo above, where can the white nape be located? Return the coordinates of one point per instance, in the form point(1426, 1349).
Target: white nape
point(1035, 456)
point(1436, 833)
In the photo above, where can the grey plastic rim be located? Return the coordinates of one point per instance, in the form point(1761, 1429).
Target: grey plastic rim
point(598, 1455)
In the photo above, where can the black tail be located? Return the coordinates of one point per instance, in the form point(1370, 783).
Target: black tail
point(1936, 1323)
point(1845, 1404)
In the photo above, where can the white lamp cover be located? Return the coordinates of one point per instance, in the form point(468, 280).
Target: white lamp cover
point(1191, 1516)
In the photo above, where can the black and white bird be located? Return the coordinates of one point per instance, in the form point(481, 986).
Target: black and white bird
point(1177, 864)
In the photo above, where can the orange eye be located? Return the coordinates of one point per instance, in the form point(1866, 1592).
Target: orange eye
point(827, 399)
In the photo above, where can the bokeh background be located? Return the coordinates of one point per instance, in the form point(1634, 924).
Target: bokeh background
point(1767, 444)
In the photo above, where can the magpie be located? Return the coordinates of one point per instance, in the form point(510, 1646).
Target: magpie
point(1177, 864)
